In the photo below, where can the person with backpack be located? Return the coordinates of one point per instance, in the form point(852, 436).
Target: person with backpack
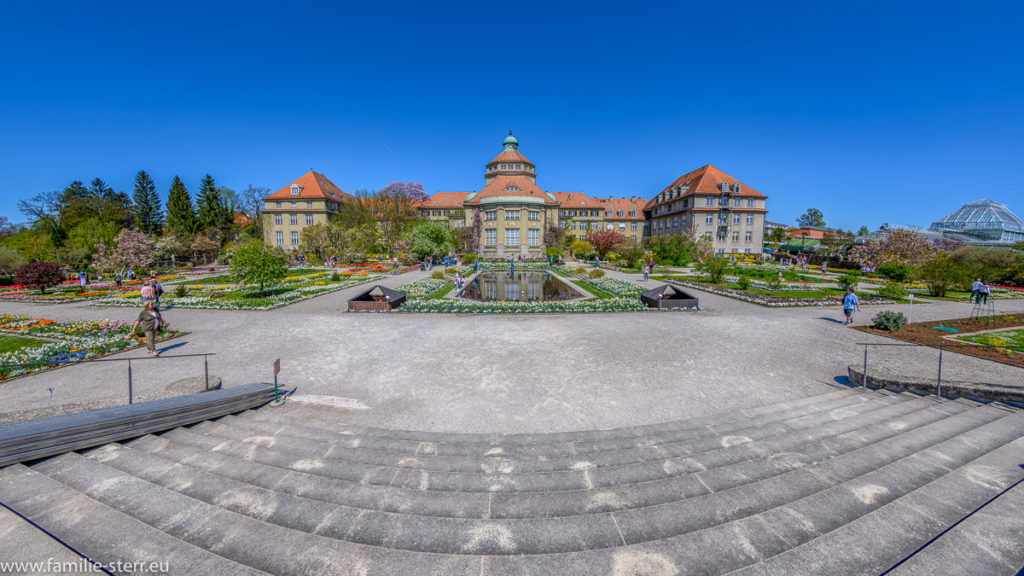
point(158, 291)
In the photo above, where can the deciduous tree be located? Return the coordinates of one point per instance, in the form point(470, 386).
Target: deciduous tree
point(259, 264)
point(899, 246)
point(131, 249)
point(605, 241)
point(813, 217)
point(431, 239)
point(39, 275)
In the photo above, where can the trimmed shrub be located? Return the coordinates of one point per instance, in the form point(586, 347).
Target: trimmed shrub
point(450, 271)
point(467, 258)
point(893, 271)
point(437, 274)
point(580, 270)
point(847, 281)
point(889, 320)
point(596, 273)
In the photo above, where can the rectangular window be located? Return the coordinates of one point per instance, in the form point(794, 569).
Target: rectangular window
point(492, 215)
point(309, 218)
point(709, 219)
point(277, 220)
point(511, 214)
point(573, 225)
point(561, 223)
point(294, 204)
point(295, 238)
point(723, 219)
point(293, 219)
point(533, 236)
point(632, 225)
point(561, 213)
point(711, 201)
point(750, 203)
point(278, 204)
point(456, 223)
point(534, 216)
point(738, 202)
point(622, 225)
point(750, 218)
point(309, 203)
point(633, 237)
point(721, 236)
point(280, 238)
point(736, 219)
point(749, 237)
point(490, 237)
point(620, 213)
point(572, 213)
point(735, 236)
point(707, 235)
point(511, 236)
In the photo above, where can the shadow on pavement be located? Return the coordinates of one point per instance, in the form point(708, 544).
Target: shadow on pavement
point(172, 346)
point(830, 319)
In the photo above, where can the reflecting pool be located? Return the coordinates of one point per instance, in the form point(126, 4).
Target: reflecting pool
point(518, 286)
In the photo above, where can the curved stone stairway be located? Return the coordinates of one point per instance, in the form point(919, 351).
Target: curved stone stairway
point(847, 482)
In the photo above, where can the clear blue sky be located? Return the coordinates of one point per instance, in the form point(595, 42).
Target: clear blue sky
point(873, 111)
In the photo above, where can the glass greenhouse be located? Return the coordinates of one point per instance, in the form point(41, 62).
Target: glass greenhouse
point(982, 222)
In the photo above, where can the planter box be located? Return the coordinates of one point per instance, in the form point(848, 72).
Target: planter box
point(378, 299)
point(668, 296)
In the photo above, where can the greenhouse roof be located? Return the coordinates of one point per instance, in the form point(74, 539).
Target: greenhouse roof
point(980, 215)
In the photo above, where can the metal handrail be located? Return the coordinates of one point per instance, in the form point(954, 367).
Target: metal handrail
point(941, 347)
point(204, 355)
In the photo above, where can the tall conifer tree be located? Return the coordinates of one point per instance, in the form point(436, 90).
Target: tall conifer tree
point(181, 217)
point(147, 214)
point(213, 213)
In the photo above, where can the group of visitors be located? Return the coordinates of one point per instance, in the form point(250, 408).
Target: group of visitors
point(460, 284)
point(149, 319)
point(979, 292)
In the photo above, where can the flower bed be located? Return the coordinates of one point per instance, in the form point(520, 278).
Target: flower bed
point(775, 301)
point(65, 342)
point(233, 297)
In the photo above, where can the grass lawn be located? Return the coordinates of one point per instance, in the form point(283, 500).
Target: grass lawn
point(599, 293)
point(1011, 339)
point(13, 343)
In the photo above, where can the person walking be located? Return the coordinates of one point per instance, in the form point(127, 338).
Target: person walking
point(149, 320)
point(147, 293)
point(646, 271)
point(117, 279)
point(850, 304)
point(158, 291)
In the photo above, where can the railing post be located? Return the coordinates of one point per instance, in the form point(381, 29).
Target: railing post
point(864, 375)
point(938, 383)
point(129, 380)
point(206, 371)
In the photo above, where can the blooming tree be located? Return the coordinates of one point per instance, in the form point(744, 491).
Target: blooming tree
point(604, 241)
point(131, 249)
point(898, 247)
point(411, 190)
point(39, 275)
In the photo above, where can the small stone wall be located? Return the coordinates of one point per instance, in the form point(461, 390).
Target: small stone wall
point(879, 377)
point(368, 306)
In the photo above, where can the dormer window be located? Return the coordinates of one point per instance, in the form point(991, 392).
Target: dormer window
point(511, 188)
point(296, 189)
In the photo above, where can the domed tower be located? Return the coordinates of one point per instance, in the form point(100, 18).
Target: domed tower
point(510, 162)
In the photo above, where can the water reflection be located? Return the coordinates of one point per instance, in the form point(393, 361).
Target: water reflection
point(518, 286)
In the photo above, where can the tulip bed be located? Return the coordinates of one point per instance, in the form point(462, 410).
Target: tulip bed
point(72, 291)
point(775, 301)
point(289, 290)
point(58, 343)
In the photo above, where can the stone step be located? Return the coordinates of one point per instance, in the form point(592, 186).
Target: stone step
point(25, 549)
point(278, 416)
point(581, 474)
point(248, 543)
point(542, 445)
point(742, 546)
point(551, 504)
point(996, 530)
point(101, 532)
point(550, 535)
point(868, 538)
point(309, 445)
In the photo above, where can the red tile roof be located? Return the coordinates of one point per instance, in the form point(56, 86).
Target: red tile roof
point(576, 200)
point(704, 180)
point(497, 187)
point(509, 155)
point(444, 200)
point(314, 185)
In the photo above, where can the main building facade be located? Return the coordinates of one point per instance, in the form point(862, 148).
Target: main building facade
point(511, 215)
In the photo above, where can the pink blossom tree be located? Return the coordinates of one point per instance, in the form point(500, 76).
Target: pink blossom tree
point(131, 249)
point(411, 190)
point(898, 247)
point(605, 241)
